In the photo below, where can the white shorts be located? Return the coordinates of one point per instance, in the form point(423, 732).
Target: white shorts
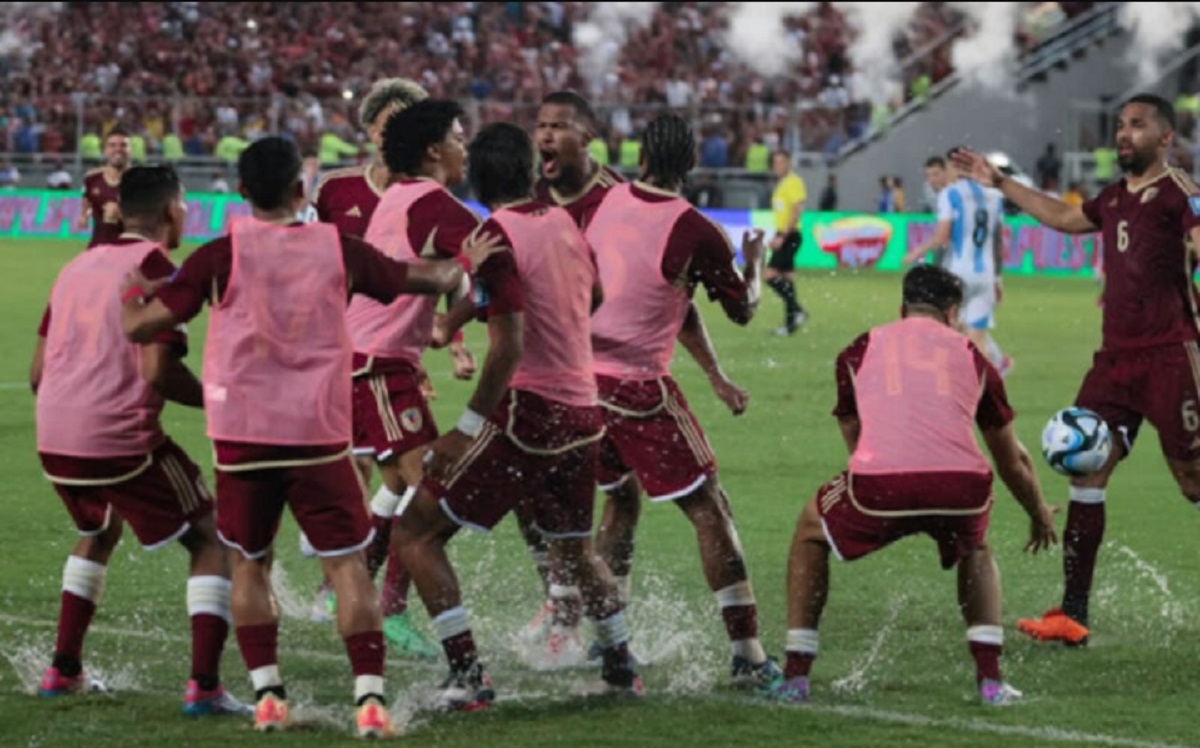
point(979, 304)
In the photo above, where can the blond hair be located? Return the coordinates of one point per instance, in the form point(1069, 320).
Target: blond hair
point(387, 92)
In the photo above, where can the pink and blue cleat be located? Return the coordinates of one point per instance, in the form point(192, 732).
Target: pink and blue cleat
point(200, 703)
point(998, 693)
point(54, 683)
point(787, 690)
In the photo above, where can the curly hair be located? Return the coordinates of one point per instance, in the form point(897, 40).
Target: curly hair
point(384, 93)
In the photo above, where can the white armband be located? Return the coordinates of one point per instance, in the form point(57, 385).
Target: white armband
point(470, 423)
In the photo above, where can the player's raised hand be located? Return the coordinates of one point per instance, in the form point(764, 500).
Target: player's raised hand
point(479, 247)
point(440, 337)
point(1041, 529)
point(135, 284)
point(734, 397)
point(752, 246)
point(426, 385)
point(976, 166)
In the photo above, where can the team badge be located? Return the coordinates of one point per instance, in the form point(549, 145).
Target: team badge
point(412, 420)
point(354, 212)
point(1194, 204)
point(1152, 193)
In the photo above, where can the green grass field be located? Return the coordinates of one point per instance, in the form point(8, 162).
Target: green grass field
point(893, 666)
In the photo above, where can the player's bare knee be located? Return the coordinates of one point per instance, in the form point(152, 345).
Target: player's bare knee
point(809, 528)
point(626, 497)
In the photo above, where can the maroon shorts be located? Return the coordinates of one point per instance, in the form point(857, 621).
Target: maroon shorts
point(159, 495)
point(533, 453)
point(391, 416)
point(1160, 384)
point(862, 514)
point(327, 499)
point(651, 433)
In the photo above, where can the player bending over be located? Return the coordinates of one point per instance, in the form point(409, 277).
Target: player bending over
point(277, 400)
point(1149, 358)
point(102, 445)
point(908, 395)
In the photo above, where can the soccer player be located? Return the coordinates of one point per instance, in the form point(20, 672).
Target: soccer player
point(1149, 354)
point(787, 202)
point(277, 400)
point(425, 149)
point(653, 249)
point(100, 190)
point(347, 198)
point(971, 227)
point(532, 428)
point(571, 179)
point(908, 394)
point(102, 445)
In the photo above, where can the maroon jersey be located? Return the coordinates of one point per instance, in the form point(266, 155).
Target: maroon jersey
point(582, 207)
point(103, 197)
point(993, 411)
point(347, 199)
point(1149, 297)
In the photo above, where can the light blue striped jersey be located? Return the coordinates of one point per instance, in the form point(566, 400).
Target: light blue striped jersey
point(974, 214)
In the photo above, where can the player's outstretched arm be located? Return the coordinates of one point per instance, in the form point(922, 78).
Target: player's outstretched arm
point(1050, 211)
point(1015, 468)
point(165, 371)
point(445, 326)
point(754, 254)
point(693, 336)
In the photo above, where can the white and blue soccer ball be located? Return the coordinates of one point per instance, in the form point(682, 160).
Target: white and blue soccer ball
point(1076, 442)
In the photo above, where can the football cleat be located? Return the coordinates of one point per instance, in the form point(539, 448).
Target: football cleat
point(1055, 626)
point(198, 703)
point(538, 627)
point(467, 690)
point(745, 674)
point(55, 683)
point(372, 720)
point(787, 690)
point(998, 693)
point(404, 637)
point(271, 714)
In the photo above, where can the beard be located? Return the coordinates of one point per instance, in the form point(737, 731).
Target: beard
point(1137, 162)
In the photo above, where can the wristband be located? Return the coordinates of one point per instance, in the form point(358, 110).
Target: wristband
point(136, 292)
point(470, 423)
point(464, 261)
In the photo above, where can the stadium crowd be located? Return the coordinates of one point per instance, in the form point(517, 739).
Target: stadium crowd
point(202, 79)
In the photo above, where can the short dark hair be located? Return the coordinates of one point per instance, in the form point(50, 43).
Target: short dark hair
point(409, 132)
point(1162, 107)
point(932, 285)
point(583, 110)
point(268, 169)
point(117, 131)
point(146, 191)
point(933, 161)
point(669, 147)
point(500, 164)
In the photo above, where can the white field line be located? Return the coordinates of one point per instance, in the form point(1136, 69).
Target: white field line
point(1049, 734)
point(14, 386)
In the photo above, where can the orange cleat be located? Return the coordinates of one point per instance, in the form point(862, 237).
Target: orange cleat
point(1054, 626)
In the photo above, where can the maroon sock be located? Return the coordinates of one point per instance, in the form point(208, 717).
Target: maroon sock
point(741, 622)
point(394, 597)
point(208, 642)
point(460, 650)
point(377, 551)
point(74, 617)
point(1081, 543)
point(259, 645)
point(799, 664)
point(987, 660)
point(366, 652)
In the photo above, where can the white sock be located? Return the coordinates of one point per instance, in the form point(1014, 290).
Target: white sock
point(612, 631)
point(565, 592)
point(384, 502)
point(209, 596)
point(266, 677)
point(986, 635)
point(735, 595)
point(1088, 495)
point(367, 685)
point(750, 649)
point(451, 623)
point(803, 641)
point(83, 578)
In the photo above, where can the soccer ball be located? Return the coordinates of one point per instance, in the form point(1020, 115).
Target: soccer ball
point(1076, 442)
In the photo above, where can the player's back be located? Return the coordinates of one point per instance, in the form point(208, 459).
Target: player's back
point(1150, 298)
point(92, 399)
point(975, 213)
point(917, 390)
point(634, 331)
point(277, 357)
point(557, 273)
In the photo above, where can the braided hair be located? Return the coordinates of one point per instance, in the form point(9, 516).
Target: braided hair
point(668, 150)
